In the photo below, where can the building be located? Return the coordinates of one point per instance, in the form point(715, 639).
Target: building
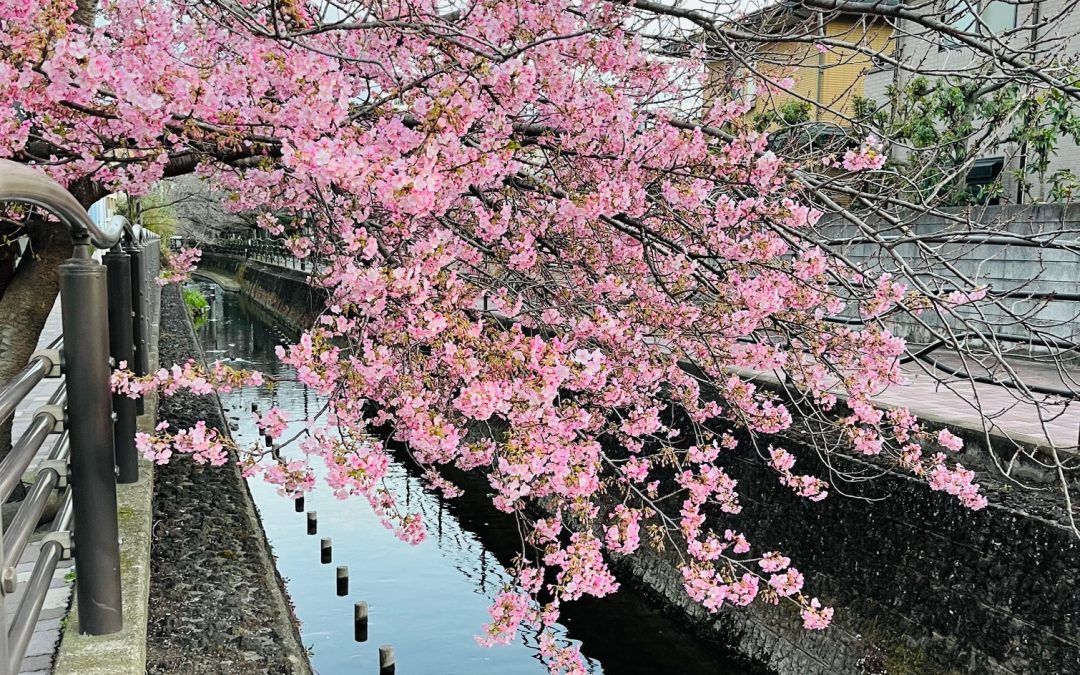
point(103, 209)
point(845, 82)
point(1042, 33)
point(826, 55)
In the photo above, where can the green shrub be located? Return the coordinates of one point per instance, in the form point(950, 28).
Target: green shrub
point(196, 303)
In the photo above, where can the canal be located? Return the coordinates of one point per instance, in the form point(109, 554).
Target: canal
point(428, 601)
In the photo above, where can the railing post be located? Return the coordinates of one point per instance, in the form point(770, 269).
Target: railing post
point(83, 298)
point(7, 586)
point(122, 348)
point(140, 365)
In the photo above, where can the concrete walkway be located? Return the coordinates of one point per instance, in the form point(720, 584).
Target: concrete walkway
point(938, 397)
point(41, 652)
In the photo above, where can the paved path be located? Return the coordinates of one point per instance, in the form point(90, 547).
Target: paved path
point(1045, 421)
point(934, 396)
point(42, 650)
point(942, 398)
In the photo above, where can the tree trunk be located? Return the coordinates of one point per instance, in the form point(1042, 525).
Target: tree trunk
point(27, 302)
point(84, 12)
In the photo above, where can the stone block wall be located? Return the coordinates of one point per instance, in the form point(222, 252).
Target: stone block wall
point(920, 584)
point(1003, 268)
point(283, 292)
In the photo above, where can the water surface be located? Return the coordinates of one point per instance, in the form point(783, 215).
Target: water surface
point(430, 600)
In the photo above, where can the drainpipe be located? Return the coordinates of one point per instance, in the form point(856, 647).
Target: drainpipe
point(820, 69)
point(1035, 17)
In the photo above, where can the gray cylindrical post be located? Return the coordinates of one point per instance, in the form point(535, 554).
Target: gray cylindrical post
point(299, 504)
point(343, 580)
point(254, 407)
point(122, 349)
point(360, 617)
point(139, 367)
point(386, 660)
point(4, 650)
point(312, 522)
point(138, 306)
point(325, 551)
point(93, 475)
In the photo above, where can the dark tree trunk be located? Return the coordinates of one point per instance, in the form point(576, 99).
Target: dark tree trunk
point(27, 301)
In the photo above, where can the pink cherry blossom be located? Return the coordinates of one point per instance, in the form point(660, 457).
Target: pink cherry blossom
point(542, 264)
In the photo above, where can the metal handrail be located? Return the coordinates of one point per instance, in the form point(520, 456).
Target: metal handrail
point(23, 451)
point(23, 623)
point(26, 519)
point(107, 305)
point(23, 185)
point(24, 381)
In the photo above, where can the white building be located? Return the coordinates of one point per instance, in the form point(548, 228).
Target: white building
point(1041, 33)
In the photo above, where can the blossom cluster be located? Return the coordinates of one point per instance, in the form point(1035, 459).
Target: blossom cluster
point(180, 265)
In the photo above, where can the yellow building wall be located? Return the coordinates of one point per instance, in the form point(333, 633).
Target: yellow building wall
point(828, 80)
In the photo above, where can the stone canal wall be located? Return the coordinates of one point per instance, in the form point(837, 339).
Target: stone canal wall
point(920, 584)
point(283, 292)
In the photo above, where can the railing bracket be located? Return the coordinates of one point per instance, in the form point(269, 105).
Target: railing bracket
point(63, 538)
point(54, 357)
point(8, 580)
point(58, 415)
point(60, 466)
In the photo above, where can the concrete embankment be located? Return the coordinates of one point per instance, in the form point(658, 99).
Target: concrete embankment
point(285, 293)
point(217, 604)
point(921, 585)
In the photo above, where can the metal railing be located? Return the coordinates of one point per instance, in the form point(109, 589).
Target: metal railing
point(1057, 347)
point(106, 308)
point(270, 251)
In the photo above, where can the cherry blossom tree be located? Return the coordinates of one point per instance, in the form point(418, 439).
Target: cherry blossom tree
point(556, 252)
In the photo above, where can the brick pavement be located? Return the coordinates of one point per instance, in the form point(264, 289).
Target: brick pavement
point(964, 403)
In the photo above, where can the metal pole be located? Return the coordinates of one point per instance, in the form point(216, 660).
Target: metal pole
point(152, 261)
point(7, 587)
point(122, 348)
point(83, 298)
point(137, 304)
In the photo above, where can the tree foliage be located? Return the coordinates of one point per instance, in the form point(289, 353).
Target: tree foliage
point(153, 211)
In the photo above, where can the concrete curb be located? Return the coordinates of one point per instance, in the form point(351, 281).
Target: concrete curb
point(272, 612)
point(124, 652)
point(226, 282)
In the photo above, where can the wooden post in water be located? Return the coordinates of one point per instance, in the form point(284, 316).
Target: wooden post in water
point(312, 522)
point(325, 552)
point(299, 504)
point(342, 580)
point(360, 615)
point(386, 660)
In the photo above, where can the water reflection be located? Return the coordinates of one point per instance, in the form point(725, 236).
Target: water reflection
point(429, 601)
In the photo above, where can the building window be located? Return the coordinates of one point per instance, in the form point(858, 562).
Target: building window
point(983, 174)
point(981, 17)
